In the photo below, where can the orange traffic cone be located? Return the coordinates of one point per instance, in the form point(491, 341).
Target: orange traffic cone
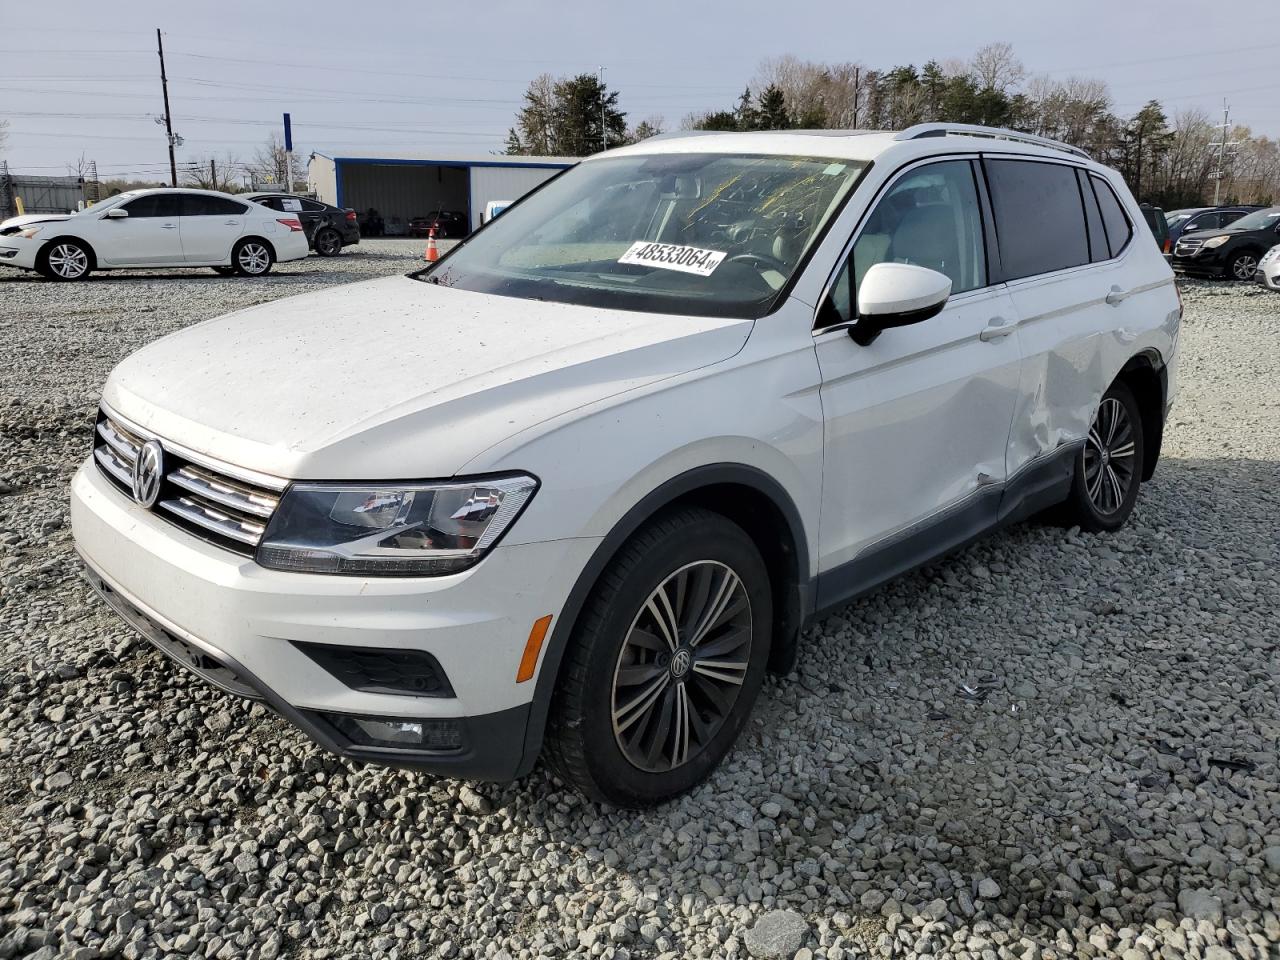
point(431, 255)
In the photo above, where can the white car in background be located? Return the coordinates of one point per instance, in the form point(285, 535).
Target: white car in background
point(1269, 269)
point(154, 228)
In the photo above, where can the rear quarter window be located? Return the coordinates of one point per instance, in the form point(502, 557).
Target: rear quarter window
point(1039, 218)
point(1119, 229)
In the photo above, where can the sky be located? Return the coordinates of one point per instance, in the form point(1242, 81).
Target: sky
point(375, 77)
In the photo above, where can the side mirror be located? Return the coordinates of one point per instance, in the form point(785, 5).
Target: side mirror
point(115, 213)
point(897, 295)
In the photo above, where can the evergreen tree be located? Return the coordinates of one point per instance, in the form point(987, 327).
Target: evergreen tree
point(772, 110)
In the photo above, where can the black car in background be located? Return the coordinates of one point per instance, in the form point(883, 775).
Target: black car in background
point(1206, 218)
point(328, 228)
point(449, 224)
point(1231, 252)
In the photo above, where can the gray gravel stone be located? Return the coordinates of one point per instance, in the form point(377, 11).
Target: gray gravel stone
point(778, 934)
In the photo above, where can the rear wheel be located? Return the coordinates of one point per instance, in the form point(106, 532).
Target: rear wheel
point(1243, 265)
point(252, 258)
point(665, 662)
point(328, 242)
point(66, 260)
point(1109, 467)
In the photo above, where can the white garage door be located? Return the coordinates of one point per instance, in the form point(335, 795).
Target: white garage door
point(503, 183)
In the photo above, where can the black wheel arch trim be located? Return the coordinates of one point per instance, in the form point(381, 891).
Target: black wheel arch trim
point(49, 244)
point(664, 495)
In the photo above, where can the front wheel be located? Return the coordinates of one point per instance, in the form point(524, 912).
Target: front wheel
point(1109, 467)
point(252, 258)
point(328, 242)
point(1243, 266)
point(665, 662)
point(66, 260)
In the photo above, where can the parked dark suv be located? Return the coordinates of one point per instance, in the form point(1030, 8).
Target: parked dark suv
point(328, 228)
point(1206, 218)
point(1231, 252)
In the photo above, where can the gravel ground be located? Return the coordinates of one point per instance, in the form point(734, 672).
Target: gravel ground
point(1050, 745)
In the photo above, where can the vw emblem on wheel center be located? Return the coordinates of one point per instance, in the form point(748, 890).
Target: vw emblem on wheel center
point(148, 471)
point(680, 663)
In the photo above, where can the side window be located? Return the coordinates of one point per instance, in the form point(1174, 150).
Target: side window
point(199, 205)
point(1039, 217)
point(1093, 219)
point(154, 205)
point(1119, 229)
point(312, 206)
point(272, 202)
point(931, 217)
point(1229, 216)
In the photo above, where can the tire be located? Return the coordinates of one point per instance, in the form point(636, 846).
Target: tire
point(252, 257)
point(224, 271)
point(1109, 467)
point(1243, 266)
point(65, 260)
point(328, 242)
point(635, 720)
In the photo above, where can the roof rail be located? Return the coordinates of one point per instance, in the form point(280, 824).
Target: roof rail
point(921, 130)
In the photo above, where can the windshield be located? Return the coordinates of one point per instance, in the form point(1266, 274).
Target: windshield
point(1260, 220)
point(1177, 218)
point(110, 202)
point(699, 234)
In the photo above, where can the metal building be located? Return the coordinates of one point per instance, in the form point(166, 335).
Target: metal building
point(39, 194)
point(401, 187)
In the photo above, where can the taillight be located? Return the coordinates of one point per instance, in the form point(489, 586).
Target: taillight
point(293, 223)
point(1168, 244)
point(351, 216)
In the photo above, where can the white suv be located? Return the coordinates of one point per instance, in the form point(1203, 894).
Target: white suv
point(572, 490)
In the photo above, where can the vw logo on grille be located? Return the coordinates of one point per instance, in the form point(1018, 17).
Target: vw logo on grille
point(148, 471)
point(680, 663)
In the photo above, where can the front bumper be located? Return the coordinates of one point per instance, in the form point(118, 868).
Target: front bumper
point(239, 626)
point(1211, 265)
point(17, 252)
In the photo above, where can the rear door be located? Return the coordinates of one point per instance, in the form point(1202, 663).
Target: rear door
point(150, 235)
point(915, 424)
point(210, 226)
point(1066, 279)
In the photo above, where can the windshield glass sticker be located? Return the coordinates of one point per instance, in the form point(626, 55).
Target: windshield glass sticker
point(672, 256)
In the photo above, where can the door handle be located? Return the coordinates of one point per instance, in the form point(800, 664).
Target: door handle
point(231, 223)
point(168, 226)
point(1117, 296)
point(996, 328)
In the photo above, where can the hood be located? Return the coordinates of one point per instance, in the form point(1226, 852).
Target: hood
point(395, 378)
point(1230, 228)
point(26, 220)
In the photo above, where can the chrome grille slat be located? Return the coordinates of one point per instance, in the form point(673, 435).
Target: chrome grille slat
point(118, 441)
point(230, 509)
point(210, 518)
point(114, 466)
point(227, 493)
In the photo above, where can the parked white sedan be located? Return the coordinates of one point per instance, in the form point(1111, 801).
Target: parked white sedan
point(154, 228)
point(1269, 269)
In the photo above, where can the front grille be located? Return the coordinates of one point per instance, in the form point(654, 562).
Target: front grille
point(414, 673)
point(1187, 247)
point(215, 503)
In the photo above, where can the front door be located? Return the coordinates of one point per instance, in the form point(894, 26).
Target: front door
point(149, 235)
point(916, 423)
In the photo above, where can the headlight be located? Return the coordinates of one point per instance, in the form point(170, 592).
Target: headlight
point(1214, 242)
point(391, 530)
point(29, 233)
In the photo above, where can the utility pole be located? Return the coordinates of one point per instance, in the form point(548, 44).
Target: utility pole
point(604, 131)
point(1219, 174)
point(168, 119)
point(213, 174)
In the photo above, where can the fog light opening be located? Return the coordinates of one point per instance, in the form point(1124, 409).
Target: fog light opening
point(437, 735)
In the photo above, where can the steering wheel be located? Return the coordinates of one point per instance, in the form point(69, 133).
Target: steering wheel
point(773, 263)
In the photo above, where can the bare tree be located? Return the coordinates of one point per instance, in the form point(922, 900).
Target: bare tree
point(214, 173)
point(646, 128)
point(269, 162)
point(995, 67)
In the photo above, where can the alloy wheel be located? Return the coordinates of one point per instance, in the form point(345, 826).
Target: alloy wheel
point(328, 243)
point(1109, 450)
point(254, 258)
point(68, 261)
point(681, 666)
point(1245, 266)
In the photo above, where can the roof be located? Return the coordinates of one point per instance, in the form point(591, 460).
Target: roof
point(461, 160)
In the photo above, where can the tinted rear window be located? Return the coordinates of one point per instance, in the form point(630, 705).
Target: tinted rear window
point(199, 205)
point(1119, 230)
point(154, 205)
point(1039, 217)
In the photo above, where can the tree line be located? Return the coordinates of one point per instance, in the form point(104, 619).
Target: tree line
point(1170, 161)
